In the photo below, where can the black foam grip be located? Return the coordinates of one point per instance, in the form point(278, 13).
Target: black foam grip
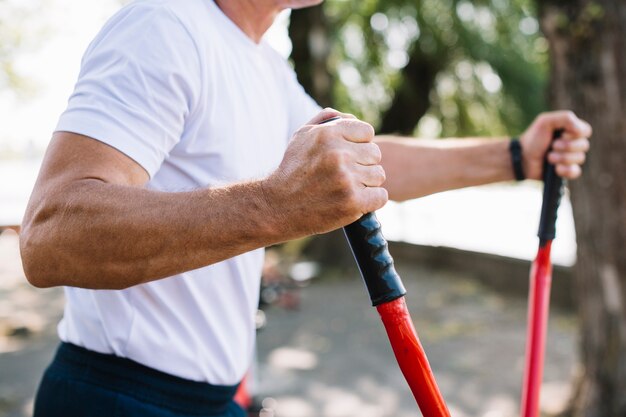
point(372, 256)
point(553, 187)
point(371, 252)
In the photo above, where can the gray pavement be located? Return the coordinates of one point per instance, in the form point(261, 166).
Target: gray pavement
point(331, 358)
point(28, 320)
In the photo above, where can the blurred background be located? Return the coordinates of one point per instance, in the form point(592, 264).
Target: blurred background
point(423, 68)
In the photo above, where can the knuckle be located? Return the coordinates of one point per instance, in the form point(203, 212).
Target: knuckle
point(384, 195)
point(380, 172)
point(380, 198)
point(574, 173)
point(571, 118)
point(351, 200)
point(369, 130)
point(363, 129)
point(567, 145)
point(376, 153)
point(585, 145)
point(343, 181)
point(570, 143)
point(574, 158)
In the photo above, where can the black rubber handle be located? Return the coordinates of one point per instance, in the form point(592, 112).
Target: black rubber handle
point(372, 256)
point(371, 252)
point(553, 187)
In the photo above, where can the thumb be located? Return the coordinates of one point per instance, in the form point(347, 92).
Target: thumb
point(568, 121)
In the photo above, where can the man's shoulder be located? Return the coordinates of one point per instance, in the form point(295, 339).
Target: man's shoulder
point(184, 9)
point(147, 26)
point(179, 6)
point(188, 13)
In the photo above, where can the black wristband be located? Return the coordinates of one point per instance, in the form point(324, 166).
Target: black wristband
point(516, 159)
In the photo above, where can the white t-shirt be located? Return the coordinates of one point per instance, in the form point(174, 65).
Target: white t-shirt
point(179, 88)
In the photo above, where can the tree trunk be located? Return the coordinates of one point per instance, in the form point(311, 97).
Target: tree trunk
point(411, 100)
point(588, 51)
point(309, 33)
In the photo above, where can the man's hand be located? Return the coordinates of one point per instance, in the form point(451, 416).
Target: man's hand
point(329, 177)
point(568, 152)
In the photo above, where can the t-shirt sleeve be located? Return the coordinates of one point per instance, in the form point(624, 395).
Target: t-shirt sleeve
point(139, 81)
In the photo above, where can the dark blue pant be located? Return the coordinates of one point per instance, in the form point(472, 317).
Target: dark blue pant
point(82, 383)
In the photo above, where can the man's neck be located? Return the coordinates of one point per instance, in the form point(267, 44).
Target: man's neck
point(254, 18)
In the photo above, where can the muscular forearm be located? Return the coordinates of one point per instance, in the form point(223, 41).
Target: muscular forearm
point(416, 168)
point(92, 223)
point(99, 235)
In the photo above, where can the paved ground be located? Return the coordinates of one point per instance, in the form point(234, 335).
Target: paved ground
point(331, 358)
point(27, 331)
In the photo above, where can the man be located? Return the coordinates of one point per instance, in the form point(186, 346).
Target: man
point(184, 150)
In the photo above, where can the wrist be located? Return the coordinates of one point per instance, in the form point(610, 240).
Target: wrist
point(272, 212)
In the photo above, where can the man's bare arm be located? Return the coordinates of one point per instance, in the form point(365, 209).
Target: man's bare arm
point(90, 223)
point(416, 168)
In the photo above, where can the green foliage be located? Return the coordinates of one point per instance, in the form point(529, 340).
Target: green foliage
point(491, 56)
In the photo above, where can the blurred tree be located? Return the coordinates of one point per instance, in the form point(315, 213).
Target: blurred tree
point(588, 54)
point(309, 30)
point(475, 67)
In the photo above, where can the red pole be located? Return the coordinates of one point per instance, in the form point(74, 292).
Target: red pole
point(386, 291)
point(538, 310)
point(412, 358)
point(539, 295)
point(387, 294)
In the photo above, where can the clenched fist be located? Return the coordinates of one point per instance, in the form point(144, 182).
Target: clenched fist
point(330, 176)
point(568, 152)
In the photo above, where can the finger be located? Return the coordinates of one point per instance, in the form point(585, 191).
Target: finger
point(567, 136)
point(567, 158)
point(354, 130)
point(329, 113)
point(369, 176)
point(569, 172)
point(373, 198)
point(364, 153)
point(348, 116)
point(566, 120)
point(571, 145)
